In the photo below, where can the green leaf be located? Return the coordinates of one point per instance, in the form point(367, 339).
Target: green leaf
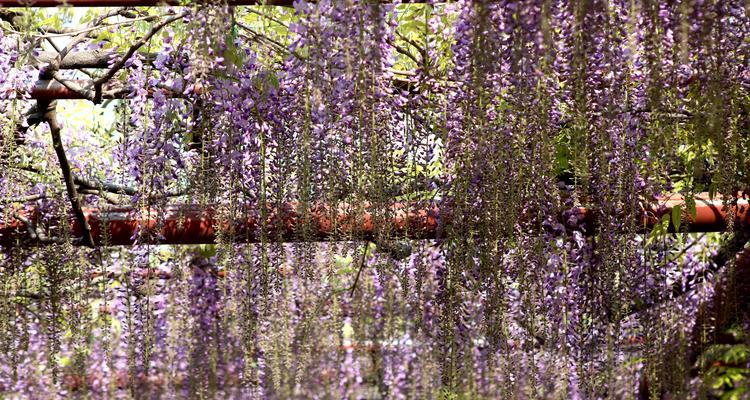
point(347, 331)
point(64, 361)
point(690, 206)
point(207, 250)
point(660, 228)
point(676, 217)
point(343, 264)
point(273, 80)
point(720, 382)
point(737, 354)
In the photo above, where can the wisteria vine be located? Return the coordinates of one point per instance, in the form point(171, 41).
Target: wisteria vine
point(541, 130)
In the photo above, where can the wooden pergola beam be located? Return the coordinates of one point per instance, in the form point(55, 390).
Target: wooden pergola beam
point(191, 224)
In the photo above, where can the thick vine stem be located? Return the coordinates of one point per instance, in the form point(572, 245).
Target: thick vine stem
point(50, 116)
point(730, 297)
point(728, 251)
point(717, 311)
point(35, 233)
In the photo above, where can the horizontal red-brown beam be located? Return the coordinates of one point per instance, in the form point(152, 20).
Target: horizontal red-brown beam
point(195, 225)
point(190, 224)
point(710, 213)
point(53, 90)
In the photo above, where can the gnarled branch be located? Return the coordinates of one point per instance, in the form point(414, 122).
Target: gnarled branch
point(50, 115)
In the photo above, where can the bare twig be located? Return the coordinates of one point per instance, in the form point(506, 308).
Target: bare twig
point(401, 72)
point(137, 45)
point(47, 57)
point(93, 89)
point(422, 51)
point(404, 51)
point(86, 93)
point(94, 28)
point(676, 257)
point(280, 46)
point(396, 250)
point(359, 270)
point(107, 187)
point(82, 36)
point(98, 59)
point(270, 17)
point(50, 71)
point(52, 43)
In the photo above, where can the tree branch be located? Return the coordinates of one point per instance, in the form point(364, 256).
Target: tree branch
point(111, 199)
point(107, 187)
point(35, 233)
point(85, 93)
point(270, 17)
point(404, 51)
point(23, 199)
point(52, 43)
point(422, 51)
point(50, 115)
point(98, 59)
point(359, 270)
point(115, 188)
point(137, 45)
point(27, 295)
point(55, 65)
point(280, 46)
point(725, 254)
point(67, 32)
